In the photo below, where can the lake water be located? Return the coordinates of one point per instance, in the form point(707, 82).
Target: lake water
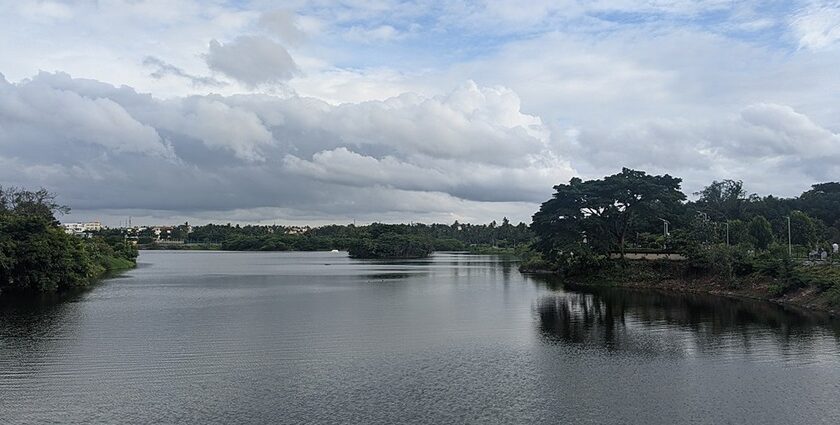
point(223, 338)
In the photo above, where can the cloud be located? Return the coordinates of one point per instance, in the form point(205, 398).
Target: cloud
point(818, 26)
point(772, 147)
point(475, 181)
point(220, 126)
point(380, 33)
point(163, 69)
point(283, 24)
point(35, 114)
point(412, 155)
point(700, 89)
point(253, 60)
point(46, 10)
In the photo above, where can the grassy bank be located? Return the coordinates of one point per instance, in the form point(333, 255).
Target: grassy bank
point(808, 286)
point(115, 264)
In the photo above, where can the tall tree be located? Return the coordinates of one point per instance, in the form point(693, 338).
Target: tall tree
point(803, 230)
point(760, 232)
point(723, 200)
point(560, 222)
point(627, 199)
point(822, 202)
point(603, 212)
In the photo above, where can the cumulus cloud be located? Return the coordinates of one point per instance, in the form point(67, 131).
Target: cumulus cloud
point(772, 147)
point(471, 149)
point(414, 155)
point(476, 181)
point(220, 126)
point(34, 114)
point(700, 89)
point(253, 60)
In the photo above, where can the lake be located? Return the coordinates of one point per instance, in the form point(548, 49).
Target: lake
point(228, 337)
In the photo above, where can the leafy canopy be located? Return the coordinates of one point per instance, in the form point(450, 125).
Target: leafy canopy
point(603, 212)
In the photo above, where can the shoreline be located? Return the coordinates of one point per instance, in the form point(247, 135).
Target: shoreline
point(115, 267)
point(806, 298)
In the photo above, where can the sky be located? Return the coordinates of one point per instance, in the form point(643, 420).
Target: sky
point(314, 112)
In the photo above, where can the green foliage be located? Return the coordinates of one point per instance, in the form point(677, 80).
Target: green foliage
point(600, 214)
point(504, 235)
point(822, 202)
point(722, 200)
point(449, 244)
point(492, 237)
point(39, 203)
point(722, 261)
point(392, 245)
point(37, 255)
point(803, 230)
point(783, 270)
point(586, 221)
point(760, 232)
point(536, 263)
point(738, 232)
point(579, 259)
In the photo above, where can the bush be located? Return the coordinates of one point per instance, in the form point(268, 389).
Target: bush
point(536, 263)
point(449, 244)
point(580, 259)
point(724, 262)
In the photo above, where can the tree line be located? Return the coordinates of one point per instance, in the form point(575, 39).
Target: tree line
point(725, 231)
point(632, 209)
point(375, 240)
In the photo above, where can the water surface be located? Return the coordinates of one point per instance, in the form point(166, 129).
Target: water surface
point(218, 337)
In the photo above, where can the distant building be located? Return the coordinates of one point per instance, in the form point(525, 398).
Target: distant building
point(82, 228)
point(74, 228)
point(296, 230)
point(162, 232)
point(93, 226)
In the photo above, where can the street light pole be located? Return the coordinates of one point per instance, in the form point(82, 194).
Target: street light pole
point(727, 233)
point(790, 253)
point(665, 224)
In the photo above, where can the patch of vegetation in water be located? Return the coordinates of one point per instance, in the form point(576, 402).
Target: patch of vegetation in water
point(391, 245)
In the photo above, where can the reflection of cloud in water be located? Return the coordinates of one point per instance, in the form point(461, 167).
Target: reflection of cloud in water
point(655, 322)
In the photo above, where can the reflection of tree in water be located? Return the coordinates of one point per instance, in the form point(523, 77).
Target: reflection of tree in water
point(31, 324)
point(656, 321)
point(388, 276)
point(583, 319)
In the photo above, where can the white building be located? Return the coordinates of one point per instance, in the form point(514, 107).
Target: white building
point(80, 228)
point(93, 226)
point(74, 228)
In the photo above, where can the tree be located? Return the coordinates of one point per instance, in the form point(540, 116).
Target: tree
point(760, 232)
point(560, 222)
point(822, 202)
point(738, 232)
point(602, 213)
point(40, 203)
point(722, 200)
point(803, 230)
